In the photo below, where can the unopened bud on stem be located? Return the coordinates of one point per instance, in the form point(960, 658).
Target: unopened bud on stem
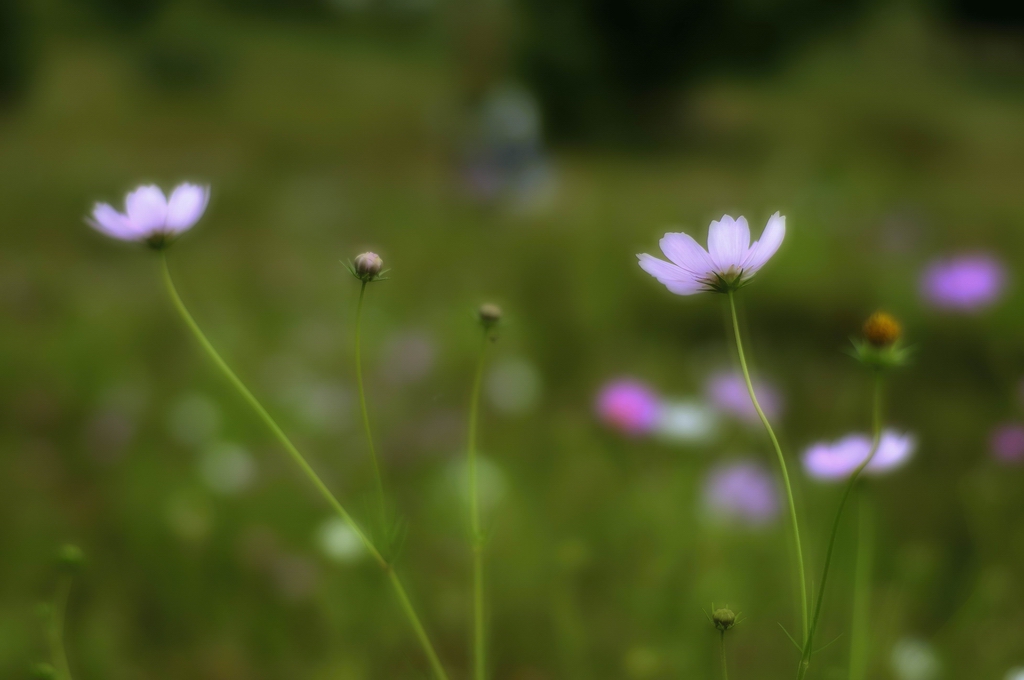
point(489, 314)
point(724, 619)
point(881, 329)
point(367, 266)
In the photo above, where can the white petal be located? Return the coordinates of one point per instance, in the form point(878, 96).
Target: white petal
point(728, 241)
point(186, 206)
point(767, 245)
point(147, 209)
point(687, 253)
point(112, 223)
point(676, 279)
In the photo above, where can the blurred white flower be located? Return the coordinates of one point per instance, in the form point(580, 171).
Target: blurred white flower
point(514, 386)
point(686, 421)
point(915, 659)
point(339, 542)
point(1015, 673)
point(227, 468)
point(194, 419)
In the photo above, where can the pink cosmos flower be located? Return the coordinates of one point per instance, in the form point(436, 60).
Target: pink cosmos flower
point(629, 406)
point(964, 283)
point(727, 390)
point(149, 216)
point(741, 492)
point(1007, 443)
point(727, 264)
point(838, 460)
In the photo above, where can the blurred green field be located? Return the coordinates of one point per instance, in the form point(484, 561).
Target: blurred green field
point(885, 147)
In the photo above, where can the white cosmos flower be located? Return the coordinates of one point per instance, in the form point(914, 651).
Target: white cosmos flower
point(727, 264)
point(151, 217)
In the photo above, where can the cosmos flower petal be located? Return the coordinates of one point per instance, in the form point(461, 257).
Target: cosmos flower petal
point(106, 220)
point(728, 241)
point(838, 460)
point(685, 252)
point(766, 246)
point(186, 206)
point(894, 451)
point(147, 209)
point(676, 279)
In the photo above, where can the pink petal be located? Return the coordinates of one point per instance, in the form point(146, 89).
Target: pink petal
point(186, 206)
point(147, 209)
point(676, 279)
point(767, 245)
point(894, 450)
point(108, 221)
point(687, 253)
point(728, 241)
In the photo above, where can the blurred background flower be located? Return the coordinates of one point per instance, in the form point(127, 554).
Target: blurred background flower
point(727, 390)
point(741, 492)
point(837, 460)
point(964, 283)
point(915, 659)
point(1007, 443)
point(629, 406)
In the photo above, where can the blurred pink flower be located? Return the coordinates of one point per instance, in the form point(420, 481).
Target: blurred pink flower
point(1007, 443)
point(729, 261)
point(838, 460)
point(727, 390)
point(150, 216)
point(741, 491)
point(964, 283)
point(629, 406)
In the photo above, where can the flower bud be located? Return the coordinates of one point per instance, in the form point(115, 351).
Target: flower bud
point(70, 557)
point(881, 329)
point(489, 314)
point(367, 266)
point(724, 619)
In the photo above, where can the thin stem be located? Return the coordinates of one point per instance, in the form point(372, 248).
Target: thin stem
point(305, 467)
point(60, 606)
point(862, 589)
point(366, 414)
point(782, 465)
point(725, 668)
point(877, 427)
point(479, 645)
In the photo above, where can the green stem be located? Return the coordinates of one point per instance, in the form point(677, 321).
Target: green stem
point(479, 646)
point(725, 668)
point(862, 590)
point(305, 467)
point(782, 465)
point(366, 413)
point(805, 659)
point(60, 606)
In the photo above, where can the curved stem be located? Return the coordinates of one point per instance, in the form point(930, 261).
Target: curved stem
point(862, 589)
point(305, 467)
point(782, 465)
point(366, 414)
point(805, 659)
point(60, 606)
point(725, 668)
point(479, 663)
